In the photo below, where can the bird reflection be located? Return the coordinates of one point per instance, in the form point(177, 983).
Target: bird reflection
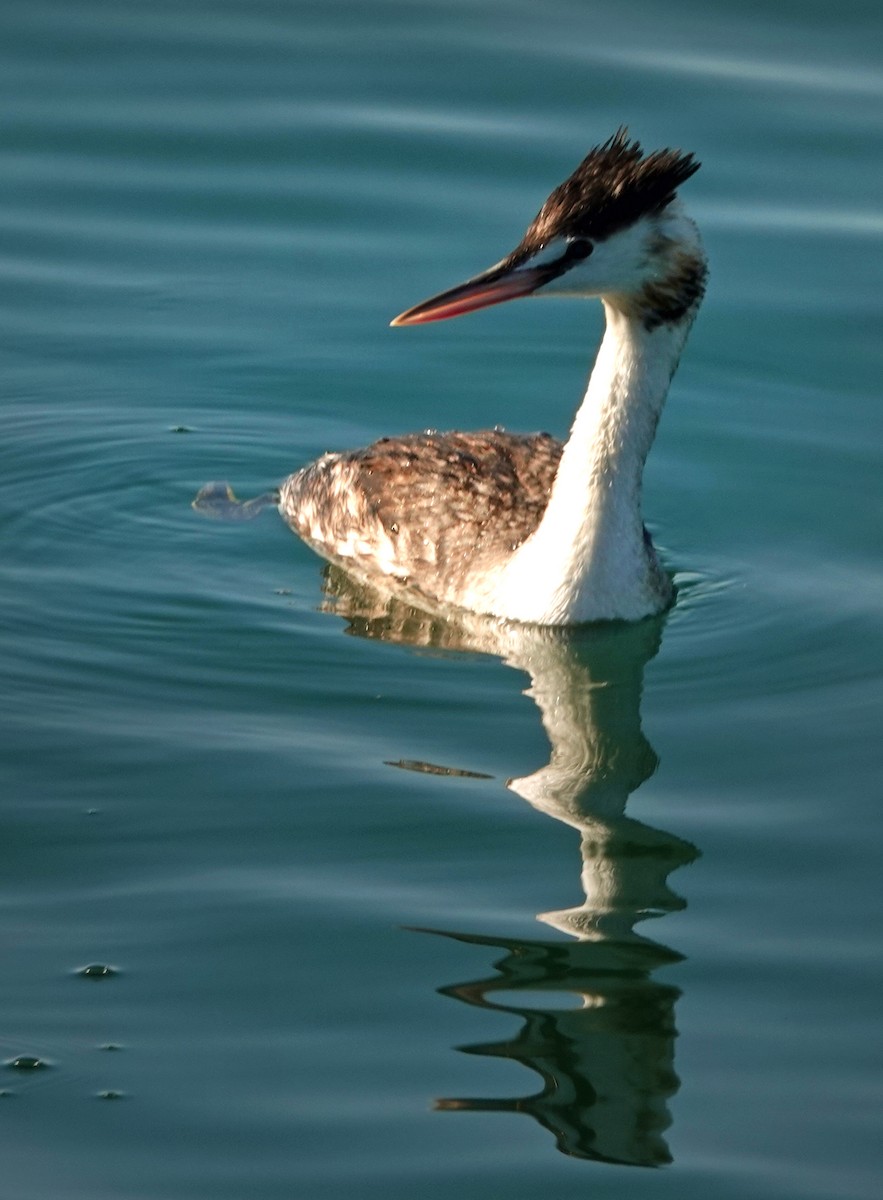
point(596, 1026)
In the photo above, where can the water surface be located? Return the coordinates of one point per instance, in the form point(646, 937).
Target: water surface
point(632, 872)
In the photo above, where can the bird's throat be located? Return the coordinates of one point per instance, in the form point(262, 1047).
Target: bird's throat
point(589, 558)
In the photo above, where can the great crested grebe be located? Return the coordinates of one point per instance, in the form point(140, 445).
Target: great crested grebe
point(523, 527)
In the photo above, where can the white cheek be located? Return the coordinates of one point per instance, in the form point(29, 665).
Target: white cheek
point(618, 264)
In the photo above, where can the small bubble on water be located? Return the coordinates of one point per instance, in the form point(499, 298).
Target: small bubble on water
point(97, 971)
point(26, 1062)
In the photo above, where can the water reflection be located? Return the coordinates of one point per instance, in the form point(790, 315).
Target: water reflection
point(595, 1025)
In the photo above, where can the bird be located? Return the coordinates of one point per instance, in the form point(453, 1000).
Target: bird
point(523, 527)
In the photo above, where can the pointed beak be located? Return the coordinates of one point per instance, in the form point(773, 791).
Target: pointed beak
point(493, 286)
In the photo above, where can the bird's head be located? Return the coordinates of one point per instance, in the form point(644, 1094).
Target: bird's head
point(613, 229)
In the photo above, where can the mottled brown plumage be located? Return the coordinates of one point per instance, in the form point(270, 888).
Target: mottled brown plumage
point(427, 510)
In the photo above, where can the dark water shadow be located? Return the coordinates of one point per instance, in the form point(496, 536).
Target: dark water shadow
point(603, 1042)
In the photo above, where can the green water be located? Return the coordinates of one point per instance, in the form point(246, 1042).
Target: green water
point(643, 891)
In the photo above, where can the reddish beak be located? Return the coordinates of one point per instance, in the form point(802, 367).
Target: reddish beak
point(491, 287)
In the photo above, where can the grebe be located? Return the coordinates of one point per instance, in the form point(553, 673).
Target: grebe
point(523, 527)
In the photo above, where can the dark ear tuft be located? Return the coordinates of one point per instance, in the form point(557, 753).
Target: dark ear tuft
point(615, 185)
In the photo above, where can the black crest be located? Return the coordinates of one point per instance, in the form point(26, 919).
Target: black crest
point(614, 185)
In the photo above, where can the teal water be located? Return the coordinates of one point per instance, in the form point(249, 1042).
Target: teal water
point(209, 212)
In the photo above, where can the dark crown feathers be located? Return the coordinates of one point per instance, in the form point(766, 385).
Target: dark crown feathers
point(614, 186)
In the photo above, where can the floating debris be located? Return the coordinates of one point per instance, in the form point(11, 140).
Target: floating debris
point(425, 768)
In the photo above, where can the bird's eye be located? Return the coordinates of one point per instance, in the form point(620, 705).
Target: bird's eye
point(577, 249)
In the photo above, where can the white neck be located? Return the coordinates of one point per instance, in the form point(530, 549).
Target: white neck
point(589, 559)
